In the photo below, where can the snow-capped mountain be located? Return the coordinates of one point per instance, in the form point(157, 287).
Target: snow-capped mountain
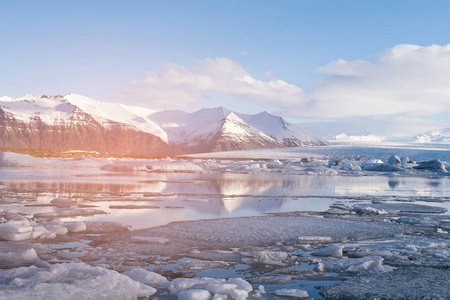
point(78, 122)
point(435, 136)
point(220, 129)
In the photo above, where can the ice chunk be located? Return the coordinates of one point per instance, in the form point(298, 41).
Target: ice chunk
point(236, 288)
point(296, 293)
point(382, 168)
point(18, 259)
point(117, 168)
point(56, 229)
point(334, 251)
point(146, 277)
point(367, 210)
point(13, 231)
point(44, 233)
point(221, 288)
point(198, 265)
point(275, 162)
point(405, 160)
point(173, 166)
point(394, 160)
point(352, 264)
point(70, 281)
point(432, 165)
point(75, 226)
point(180, 284)
point(195, 294)
point(17, 220)
point(241, 284)
point(271, 257)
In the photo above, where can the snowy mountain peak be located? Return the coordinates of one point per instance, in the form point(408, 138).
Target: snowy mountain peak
point(30, 97)
point(232, 124)
point(209, 129)
point(54, 109)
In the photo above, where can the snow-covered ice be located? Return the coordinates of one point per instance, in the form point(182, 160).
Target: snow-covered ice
point(70, 281)
point(334, 251)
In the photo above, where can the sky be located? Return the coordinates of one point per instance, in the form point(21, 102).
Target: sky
point(356, 67)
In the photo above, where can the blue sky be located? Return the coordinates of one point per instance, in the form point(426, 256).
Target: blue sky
point(246, 55)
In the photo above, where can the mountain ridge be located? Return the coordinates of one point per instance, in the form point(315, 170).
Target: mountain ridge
point(61, 121)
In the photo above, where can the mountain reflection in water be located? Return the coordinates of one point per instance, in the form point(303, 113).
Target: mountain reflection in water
point(168, 197)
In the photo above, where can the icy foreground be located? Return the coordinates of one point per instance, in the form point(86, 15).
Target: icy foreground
point(278, 250)
point(58, 239)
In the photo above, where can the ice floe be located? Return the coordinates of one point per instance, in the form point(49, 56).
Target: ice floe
point(295, 293)
point(18, 259)
point(205, 288)
point(334, 251)
point(146, 277)
point(70, 281)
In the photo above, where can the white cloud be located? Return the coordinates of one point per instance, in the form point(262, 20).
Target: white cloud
point(175, 86)
point(407, 79)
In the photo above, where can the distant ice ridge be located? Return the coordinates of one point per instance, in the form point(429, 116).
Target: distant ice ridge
point(339, 159)
point(9, 159)
point(436, 136)
point(358, 138)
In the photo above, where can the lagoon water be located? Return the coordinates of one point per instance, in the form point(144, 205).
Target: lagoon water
point(142, 199)
point(370, 216)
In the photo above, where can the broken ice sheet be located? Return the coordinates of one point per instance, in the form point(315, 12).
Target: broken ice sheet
point(70, 281)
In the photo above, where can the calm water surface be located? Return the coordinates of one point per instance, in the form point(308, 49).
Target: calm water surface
point(193, 196)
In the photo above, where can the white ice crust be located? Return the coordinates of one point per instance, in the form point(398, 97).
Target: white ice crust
point(70, 281)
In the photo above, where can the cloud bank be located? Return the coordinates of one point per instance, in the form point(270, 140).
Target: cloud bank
point(406, 79)
point(176, 86)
